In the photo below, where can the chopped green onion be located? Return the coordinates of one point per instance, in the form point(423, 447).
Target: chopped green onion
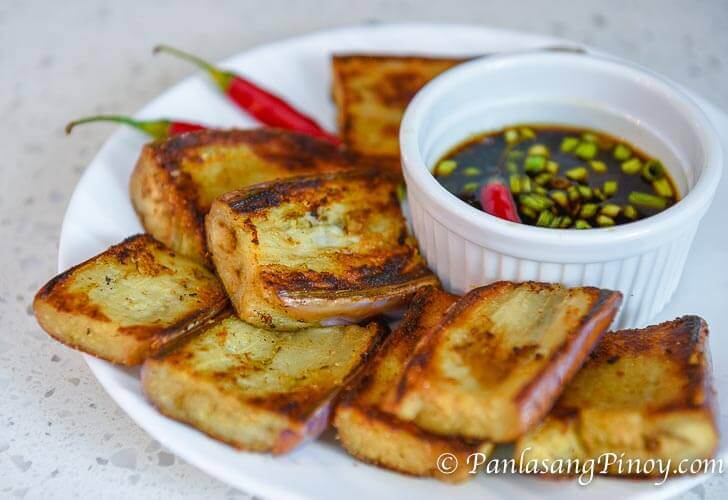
point(541, 190)
point(588, 210)
point(511, 136)
point(630, 212)
point(598, 166)
point(647, 200)
point(446, 167)
point(471, 171)
point(604, 221)
point(585, 192)
point(610, 210)
point(663, 187)
point(588, 137)
point(544, 218)
point(632, 166)
point(573, 193)
point(568, 144)
point(514, 182)
point(582, 224)
point(528, 211)
point(512, 167)
point(542, 178)
point(560, 198)
point(565, 221)
point(538, 150)
point(526, 185)
point(535, 201)
point(586, 150)
point(527, 133)
point(610, 188)
point(599, 194)
point(622, 152)
point(577, 174)
point(470, 187)
point(515, 154)
point(556, 222)
point(653, 170)
point(534, 164)
point(552, 167)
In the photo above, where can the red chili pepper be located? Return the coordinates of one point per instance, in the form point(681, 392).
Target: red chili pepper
point(496, 199)
point(261, 104)
point(159, 129)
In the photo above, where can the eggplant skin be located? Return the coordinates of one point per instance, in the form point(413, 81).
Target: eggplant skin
point(129, 302)
point(377, 437)
point(176, 179)
point(535, 337)
point(371, 93)
point(255, 389)
point(315, 250)
point(643, 394)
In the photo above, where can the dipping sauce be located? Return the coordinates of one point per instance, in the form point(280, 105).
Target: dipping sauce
point(560, 177)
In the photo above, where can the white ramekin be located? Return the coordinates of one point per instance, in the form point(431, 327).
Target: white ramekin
point(467, 247)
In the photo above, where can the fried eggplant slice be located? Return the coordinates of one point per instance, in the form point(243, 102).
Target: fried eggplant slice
point(371, 93)
point(255, 389)
point(315, 250)
point(380, 438)
point(176, 179)
point(643, 394)
point(129, 302)
point(500, 358)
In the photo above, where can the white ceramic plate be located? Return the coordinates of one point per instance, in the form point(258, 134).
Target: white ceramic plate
point(100, 214)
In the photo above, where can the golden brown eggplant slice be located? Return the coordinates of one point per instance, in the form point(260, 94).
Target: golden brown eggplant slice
point(176, 179)
point(255, 389)
point(129, 302)
point(642, 395)
point(500, 358)
point(315, 250)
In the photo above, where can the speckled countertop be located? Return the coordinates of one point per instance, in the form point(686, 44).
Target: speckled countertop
point(60, 435)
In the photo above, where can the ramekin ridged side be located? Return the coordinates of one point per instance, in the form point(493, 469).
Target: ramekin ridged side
point(468, 248)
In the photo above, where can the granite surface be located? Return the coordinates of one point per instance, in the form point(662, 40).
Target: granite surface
point(61, 436)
